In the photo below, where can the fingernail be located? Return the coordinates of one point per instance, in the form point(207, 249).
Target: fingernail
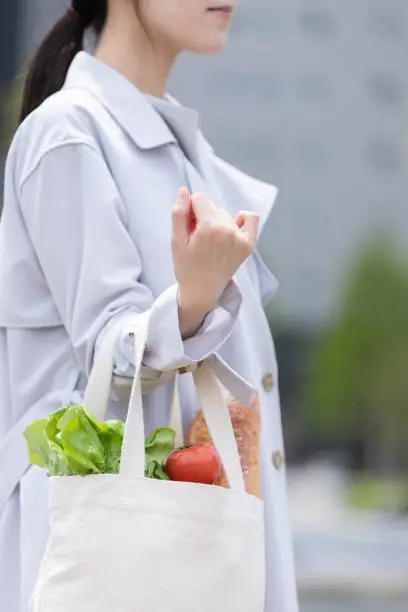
point(184, 194)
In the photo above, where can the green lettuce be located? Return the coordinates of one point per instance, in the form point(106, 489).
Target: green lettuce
point(157, 447)
point(71, 442)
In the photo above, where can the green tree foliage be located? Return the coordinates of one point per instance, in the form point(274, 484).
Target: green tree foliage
point(10, 110)
point(359, 379)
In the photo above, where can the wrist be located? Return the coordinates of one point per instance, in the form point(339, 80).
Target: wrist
point(192, 311)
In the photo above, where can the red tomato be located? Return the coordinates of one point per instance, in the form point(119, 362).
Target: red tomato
point(197, 463)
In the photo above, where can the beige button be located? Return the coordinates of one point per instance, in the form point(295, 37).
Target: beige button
point(277, 459)
point(268, 382)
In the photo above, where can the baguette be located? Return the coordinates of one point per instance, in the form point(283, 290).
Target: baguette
point(246, 421)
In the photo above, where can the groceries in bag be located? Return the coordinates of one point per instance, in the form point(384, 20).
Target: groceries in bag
point(198, 463)
point(246, 423)
point(70, 442)
point(107, 531)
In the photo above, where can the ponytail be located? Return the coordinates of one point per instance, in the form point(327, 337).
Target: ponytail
point(51, 62)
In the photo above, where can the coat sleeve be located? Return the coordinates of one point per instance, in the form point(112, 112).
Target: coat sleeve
point(76, 222)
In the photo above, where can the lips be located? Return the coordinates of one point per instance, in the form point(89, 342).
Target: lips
point(227, 9)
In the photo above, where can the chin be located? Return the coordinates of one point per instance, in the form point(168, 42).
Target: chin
point(209, 47)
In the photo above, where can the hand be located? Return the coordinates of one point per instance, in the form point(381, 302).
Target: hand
point(208, 247)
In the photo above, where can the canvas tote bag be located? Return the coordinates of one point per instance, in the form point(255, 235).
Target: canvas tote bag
point(132, 544)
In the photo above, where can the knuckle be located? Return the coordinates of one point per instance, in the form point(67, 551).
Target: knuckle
point(198, 198)
point(207, 228)
point(177, 210)
point(198, 195)
point(219, 233)
point(210, 230)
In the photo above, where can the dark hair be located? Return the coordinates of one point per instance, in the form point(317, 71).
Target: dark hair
point(49, 67)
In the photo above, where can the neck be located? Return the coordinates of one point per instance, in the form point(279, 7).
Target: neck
point(126, 47)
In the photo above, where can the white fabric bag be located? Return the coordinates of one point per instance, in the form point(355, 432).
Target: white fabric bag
point(129, 543)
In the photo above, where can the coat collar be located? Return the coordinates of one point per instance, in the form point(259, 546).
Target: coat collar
point(124, 101)
point(151, 127)
point(184, 124)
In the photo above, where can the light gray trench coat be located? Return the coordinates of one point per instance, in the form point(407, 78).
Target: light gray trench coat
point(85, 239)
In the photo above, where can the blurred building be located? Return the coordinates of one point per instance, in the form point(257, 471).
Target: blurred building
point(311, 95)
point(9, 19)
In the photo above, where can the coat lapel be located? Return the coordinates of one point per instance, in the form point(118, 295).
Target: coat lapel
point(238, 190)
point(195, 180)
point(148, 130)
point(243, 191)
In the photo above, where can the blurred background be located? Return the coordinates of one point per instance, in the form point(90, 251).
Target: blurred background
point(311, 95)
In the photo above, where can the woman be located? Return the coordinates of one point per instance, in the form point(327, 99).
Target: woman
point(89, 235)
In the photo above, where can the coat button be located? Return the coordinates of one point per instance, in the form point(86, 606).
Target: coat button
point(277, 459)
point(268, 382)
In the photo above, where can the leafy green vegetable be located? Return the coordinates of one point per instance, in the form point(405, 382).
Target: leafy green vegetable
point(80, 442)
point(158, 446)
point(38, 448)
point(71, 442)
point(111, 437)
point(43, 448)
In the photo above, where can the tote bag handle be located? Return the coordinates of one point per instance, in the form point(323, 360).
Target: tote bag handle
point(213, 404)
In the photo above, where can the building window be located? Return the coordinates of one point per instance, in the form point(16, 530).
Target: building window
point(386, 23)
point(383, 155)
point(314, 88)
point(316, 22)
point(386, 90)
